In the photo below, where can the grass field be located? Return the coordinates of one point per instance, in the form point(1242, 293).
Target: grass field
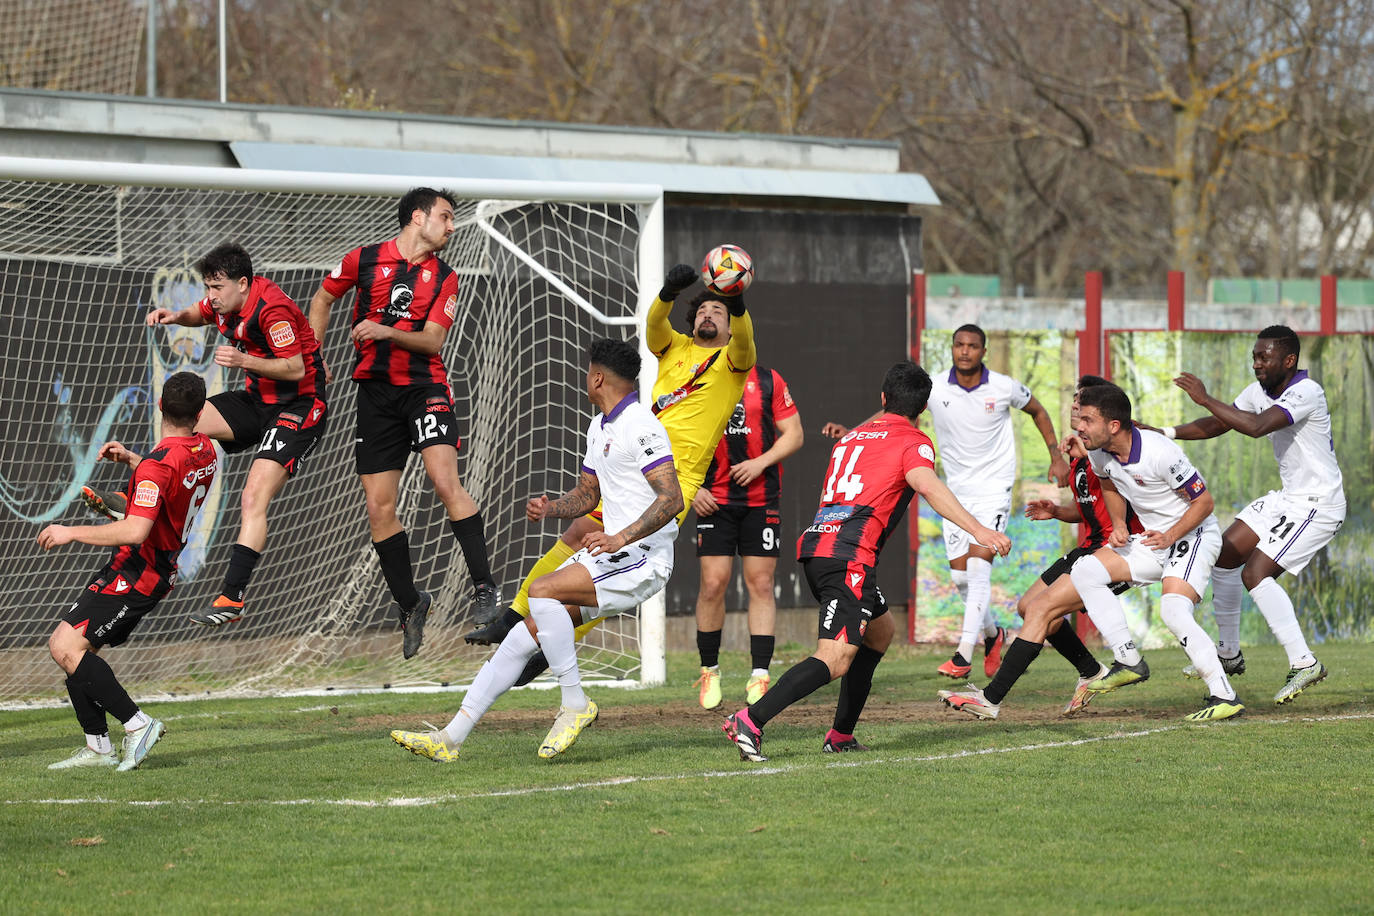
point(303, 804)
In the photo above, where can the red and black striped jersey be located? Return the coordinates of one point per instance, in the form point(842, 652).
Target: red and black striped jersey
point(271, 326)
point(751, 431)
point(1097, 521)
point(405, 296)
point(168, 486)
point(866, 492)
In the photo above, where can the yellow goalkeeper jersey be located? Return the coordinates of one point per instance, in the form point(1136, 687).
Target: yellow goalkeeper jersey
point(697, 390)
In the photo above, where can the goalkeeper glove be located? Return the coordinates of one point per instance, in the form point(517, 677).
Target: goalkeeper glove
point(733, 304)
point(679, 277)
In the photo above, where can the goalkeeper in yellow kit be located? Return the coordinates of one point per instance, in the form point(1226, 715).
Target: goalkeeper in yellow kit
point(700, 380)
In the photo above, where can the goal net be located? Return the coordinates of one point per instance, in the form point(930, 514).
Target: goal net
point(84, 254)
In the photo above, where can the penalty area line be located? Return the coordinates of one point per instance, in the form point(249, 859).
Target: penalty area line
point(611, 782)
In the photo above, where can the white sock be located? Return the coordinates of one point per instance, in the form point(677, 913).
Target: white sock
point(759, 672)
point(498, 675)
point(1277, 609)
point(560, 648)
point(138, 721)
point(1227, 589)
point(1177, 613)
point(1093, 583)
point(100, 743)
point(979, 593)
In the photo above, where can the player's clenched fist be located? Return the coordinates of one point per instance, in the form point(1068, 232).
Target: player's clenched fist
point(679, 277)
point(537, 508)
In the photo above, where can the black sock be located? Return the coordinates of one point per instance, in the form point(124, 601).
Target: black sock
point(511, 617)
point(801, 680)
point(95, 674)
point(854, 689)
point(761, 648)
point(1067, 644)
point(394, 554)
point(1015, 661)
point(959, 659)
point(91, 716)
point(708, 647)
point(472, 538)
point(242, 561)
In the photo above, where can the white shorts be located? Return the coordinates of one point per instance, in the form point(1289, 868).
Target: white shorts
point(994, 513)
point(1191, 558)
point(625, 579)
point(1292, 529)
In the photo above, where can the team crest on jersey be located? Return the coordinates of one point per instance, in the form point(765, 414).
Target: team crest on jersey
point(425, 275)
point(147, 494)
point(926, 452)
point(282, 334)
point(989, 405)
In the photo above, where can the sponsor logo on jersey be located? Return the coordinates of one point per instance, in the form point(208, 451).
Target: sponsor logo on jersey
point(282, 334)
point(386, 271)
point(401, 297)
point(451, 306)
point(197, 474)
point(120, 585)
point(926, 452)
point(147, 494)
point(294, 418)
point(855, 579)
point(337, 272)
point(833, 514)
point(109, 624)
point(829, 614)
point(786, 397)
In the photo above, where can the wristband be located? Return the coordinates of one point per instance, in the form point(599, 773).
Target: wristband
point(1170, 432)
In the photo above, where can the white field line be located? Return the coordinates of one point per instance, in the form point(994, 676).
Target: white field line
point(859, 761)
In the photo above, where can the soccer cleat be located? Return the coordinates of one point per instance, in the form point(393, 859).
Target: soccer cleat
point(413, 623)
point(1216, 708)
point(1232, 666)
point(494, 632)
point(104, 503)
point(138, 744)
point(1299, 679)
point(992, 652)
point(536, 666)
point(953, 669)
point(426, 744)
point(486, 604)
point(1081, 694)
point(1120, 675)
point(747, 738)
point(709, 683)
point(86, 757)
point(971, 701)
point(756, 688)
point(566, 728)
point(222, 610)
point(836, 743)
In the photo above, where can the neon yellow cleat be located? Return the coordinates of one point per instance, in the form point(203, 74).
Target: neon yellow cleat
point(426, 744)
point(756, 688)
point(709, 682)
point(1216, 708)
point(566, 728)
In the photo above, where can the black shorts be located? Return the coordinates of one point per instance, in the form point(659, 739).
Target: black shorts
point(107, 620)
point(750, 531)
point(284, 433)
point(1061, 567)
point(394, 421)
point(849, 597)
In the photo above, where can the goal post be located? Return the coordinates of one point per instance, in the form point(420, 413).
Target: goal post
point(87, 248)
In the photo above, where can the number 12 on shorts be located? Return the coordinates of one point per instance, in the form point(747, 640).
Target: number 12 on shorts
point(426, 427)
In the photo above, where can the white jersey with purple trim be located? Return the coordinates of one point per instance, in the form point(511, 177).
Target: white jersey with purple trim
point(974, 431)
point(621, 447)
point(1304, 450)
point(1150, 477)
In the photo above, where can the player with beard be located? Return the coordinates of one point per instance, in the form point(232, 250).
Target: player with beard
point(1282, 530)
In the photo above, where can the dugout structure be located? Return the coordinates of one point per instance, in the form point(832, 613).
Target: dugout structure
point(86, 249)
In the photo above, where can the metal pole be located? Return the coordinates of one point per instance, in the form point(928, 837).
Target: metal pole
point(151, 88)
point(223, 63)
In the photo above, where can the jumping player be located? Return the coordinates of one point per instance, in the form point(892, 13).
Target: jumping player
point(281, 412)
point(629, 465)
point(738, 512)
point(874, 471)
point(164, 493)
point(407, 300)
point(1282, 530)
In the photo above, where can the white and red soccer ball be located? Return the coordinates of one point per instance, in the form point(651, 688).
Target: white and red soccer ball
point(728, 270)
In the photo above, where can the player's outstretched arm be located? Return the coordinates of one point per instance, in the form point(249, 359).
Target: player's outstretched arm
point(1224, 416)
point(1042, 510)
point(925, 482)
point(665, 507)
point(128, 531)
point(189, 317)
point(658, 330)
point(1059, 468)
point(741, 351)
point(114, 451)
point(833, 430)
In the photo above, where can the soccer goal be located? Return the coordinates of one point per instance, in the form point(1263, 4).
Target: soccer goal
point(86, 249)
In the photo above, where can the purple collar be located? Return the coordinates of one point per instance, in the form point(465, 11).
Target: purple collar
point(626, 401)
point(982, 379)
point(1297, 377)
point(1134, 454)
